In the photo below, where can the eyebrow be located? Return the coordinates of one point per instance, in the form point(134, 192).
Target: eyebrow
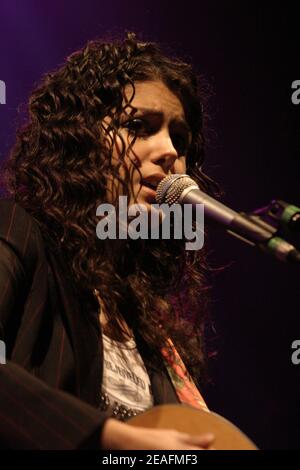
point(154, 112)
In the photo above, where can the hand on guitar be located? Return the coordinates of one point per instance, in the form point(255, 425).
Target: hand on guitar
point(121, 436)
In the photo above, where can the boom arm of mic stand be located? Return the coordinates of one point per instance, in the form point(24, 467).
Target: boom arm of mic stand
point(274, 245)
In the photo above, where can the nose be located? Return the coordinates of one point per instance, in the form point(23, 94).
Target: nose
point(164, 152)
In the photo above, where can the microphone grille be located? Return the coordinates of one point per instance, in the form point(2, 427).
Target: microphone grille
point(171, 187)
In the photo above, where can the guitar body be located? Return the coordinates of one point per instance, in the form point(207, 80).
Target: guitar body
point(193, 421)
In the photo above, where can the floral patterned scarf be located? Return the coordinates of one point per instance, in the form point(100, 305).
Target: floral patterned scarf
point(183, 383)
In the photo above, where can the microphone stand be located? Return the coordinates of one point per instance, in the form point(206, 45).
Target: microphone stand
point(275, 221)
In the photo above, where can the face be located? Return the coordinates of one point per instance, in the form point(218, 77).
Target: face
point(156, 127)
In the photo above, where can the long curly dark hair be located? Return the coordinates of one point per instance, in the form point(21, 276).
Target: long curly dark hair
point(57, 171)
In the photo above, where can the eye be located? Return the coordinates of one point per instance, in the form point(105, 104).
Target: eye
point(137, 127)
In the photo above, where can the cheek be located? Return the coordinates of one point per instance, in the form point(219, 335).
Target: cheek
point(180, 165)
point(117, 150)
point(130, 162)
point(136, 153)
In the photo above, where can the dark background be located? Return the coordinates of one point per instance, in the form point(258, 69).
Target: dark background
point(249, 54)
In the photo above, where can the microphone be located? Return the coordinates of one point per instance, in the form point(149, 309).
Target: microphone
point(182, 189)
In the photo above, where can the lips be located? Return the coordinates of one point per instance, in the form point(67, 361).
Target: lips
point(152, 181)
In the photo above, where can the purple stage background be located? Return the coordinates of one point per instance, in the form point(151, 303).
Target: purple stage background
point(250, 55)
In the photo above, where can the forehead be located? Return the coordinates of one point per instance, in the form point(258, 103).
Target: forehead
point(155, 96)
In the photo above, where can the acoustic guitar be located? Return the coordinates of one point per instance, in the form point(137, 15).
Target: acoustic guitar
point(193, 421)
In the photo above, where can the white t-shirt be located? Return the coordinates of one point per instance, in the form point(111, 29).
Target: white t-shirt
point(126, 387)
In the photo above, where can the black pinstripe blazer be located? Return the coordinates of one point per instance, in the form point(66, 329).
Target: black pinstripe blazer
point(50, 385)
